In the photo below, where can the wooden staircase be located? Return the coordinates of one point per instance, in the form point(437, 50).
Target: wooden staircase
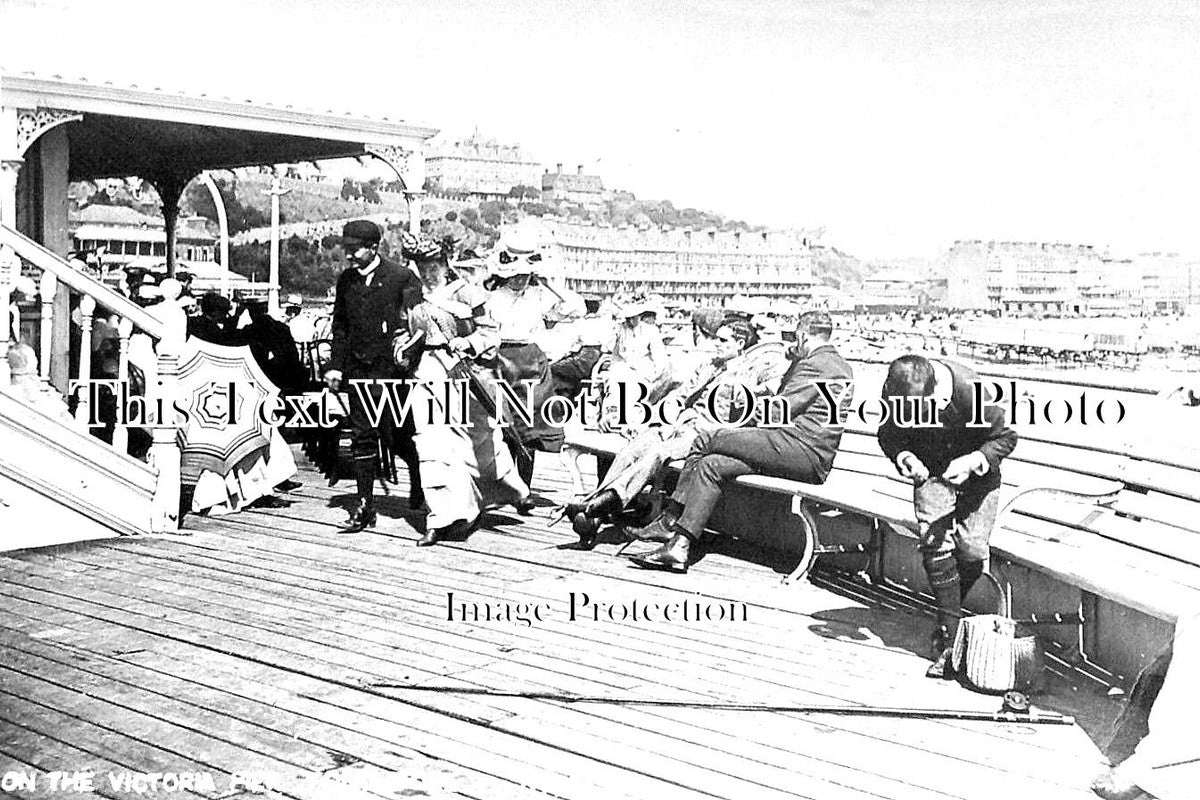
point(58, 483)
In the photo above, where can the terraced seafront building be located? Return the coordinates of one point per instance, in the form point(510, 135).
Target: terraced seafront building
point(1056, 279)
point(685, 267)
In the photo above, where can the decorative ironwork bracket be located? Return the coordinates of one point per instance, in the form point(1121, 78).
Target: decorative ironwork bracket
point(395, 157)
point(33, 122)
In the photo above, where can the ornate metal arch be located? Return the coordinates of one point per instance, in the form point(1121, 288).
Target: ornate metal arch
point(33, 122)
point(395, 157)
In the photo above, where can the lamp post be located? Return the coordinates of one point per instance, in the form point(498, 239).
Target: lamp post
point(273, 287)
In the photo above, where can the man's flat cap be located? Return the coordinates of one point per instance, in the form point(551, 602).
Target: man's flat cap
point(361, 230)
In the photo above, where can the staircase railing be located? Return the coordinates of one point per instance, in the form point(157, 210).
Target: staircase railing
point(55, 279)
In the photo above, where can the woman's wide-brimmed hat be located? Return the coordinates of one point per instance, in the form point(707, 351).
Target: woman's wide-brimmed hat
point(518, 253)
point(636, 306)
point(423, 249)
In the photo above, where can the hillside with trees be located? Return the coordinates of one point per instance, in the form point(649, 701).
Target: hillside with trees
point(472, 226)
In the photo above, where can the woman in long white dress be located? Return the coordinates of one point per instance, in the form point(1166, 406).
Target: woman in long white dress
point(464, 467)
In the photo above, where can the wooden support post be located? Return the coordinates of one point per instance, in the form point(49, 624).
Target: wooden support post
point(170, 183)
point(120, 432)
point(87, 308)
point(170, 213)
point(47, 289)
point(164, 452)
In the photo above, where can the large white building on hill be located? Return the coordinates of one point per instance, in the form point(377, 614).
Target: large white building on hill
point(478, 167)
point(685, 267)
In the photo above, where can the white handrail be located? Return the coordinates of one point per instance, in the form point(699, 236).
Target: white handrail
point(80, 282)
point(58, 273)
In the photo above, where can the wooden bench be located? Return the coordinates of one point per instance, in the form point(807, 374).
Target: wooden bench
point(1124, 554)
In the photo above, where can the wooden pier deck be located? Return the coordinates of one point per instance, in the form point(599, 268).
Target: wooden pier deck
point(266, 647)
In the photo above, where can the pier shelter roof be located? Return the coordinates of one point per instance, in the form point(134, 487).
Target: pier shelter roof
point(117, 131)
point(72, 130)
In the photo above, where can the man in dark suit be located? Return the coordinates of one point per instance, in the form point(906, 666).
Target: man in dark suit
point(273, 348)
point(371, 306)
point(955, 470)
point(212, 324)
point(801, 451)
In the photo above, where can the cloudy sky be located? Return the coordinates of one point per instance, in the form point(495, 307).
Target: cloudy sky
point(897, 126)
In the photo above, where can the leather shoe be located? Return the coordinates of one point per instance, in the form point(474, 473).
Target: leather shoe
point(434, 535)
point(942, 667)
point(604, 505)
point(587, 528)
point(524, 506)
point(659, 530)
point(671, 557)
point(940, 640)
point(941, 650)
point(360, 519)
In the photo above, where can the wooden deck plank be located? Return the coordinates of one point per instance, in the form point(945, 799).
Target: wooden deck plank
point(270, 621)
point(298, 694)
point(750, 675)
point(77, 744)
point(209, 750)
point(339, 741)
point(348, 692)
point(542, 716)
point(37, 755)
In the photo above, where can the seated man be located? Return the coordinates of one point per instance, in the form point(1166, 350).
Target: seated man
point(732, 367)
point(801, 450)
point(586, 340)
point(955, 470)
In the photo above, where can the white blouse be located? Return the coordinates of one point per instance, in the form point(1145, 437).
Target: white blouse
point(523, 317)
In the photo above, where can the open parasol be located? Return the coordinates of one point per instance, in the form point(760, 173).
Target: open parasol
point(222, 389)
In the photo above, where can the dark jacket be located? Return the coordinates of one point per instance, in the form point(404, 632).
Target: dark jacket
point(367, 317)
point(939, 445)
point(274, 349)
point(810, 430)
point(205, 328)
